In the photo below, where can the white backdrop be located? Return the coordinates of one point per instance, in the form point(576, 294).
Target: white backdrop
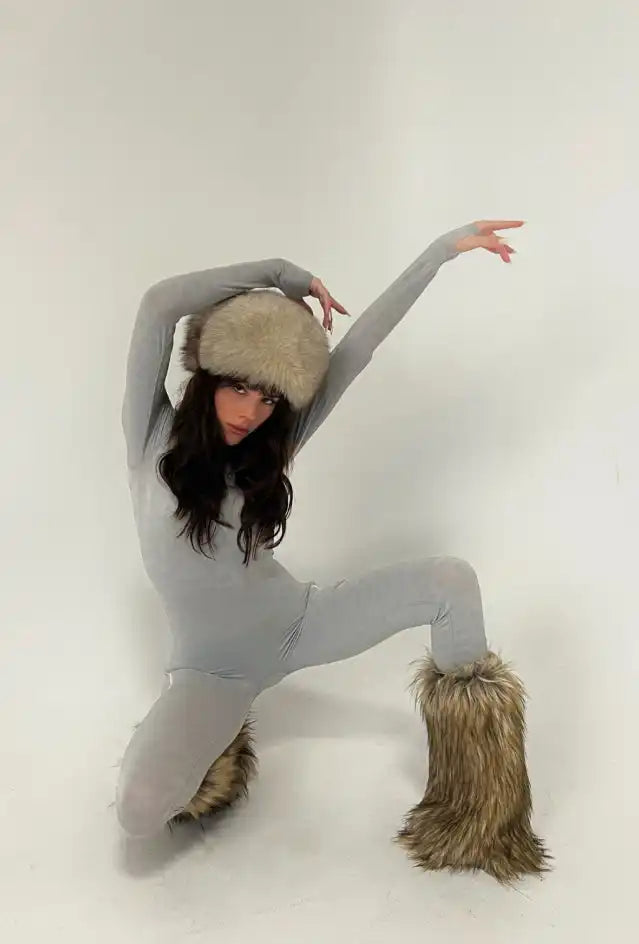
point(497, 423)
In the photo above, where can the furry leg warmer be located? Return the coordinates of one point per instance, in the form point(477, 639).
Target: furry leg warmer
point(475, 813)
point(226, 780)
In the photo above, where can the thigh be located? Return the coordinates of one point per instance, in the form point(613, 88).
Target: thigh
point(353, 615)
point(188, 727)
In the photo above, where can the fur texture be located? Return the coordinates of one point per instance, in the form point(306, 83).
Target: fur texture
point(227, 778)
point(263, 337)
point(475, 813)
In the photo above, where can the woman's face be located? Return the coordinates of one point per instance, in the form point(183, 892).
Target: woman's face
point(237, 405)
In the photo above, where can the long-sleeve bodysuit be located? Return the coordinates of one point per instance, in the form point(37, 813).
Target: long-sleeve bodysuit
point(237, 630)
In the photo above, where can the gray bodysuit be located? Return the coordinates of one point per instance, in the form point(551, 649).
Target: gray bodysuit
point(237, 630)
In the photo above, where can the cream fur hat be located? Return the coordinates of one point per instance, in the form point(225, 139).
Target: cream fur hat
point(263, 337)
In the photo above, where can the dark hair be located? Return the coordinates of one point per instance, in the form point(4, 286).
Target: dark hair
point(198, 456)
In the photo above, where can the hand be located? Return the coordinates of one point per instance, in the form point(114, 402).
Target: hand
point(486, 239)
point(318, 290)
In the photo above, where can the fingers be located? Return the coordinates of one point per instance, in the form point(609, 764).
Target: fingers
point(504, 251)
point(336, 305)
point(497, 245)
point(487, 226)
point(328, 303)
point(325, 301)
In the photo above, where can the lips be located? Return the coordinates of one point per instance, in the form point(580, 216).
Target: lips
point(238, 429)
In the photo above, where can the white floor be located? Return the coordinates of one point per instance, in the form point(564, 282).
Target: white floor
point(498, 423)
point(342, 757)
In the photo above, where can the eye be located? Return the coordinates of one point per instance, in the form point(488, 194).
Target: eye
point(270, 400)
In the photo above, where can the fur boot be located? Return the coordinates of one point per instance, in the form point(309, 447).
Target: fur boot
point(475, 813)
point(226, 780)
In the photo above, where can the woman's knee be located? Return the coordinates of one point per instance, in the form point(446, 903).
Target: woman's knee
point(455, 573)
point(139, 810)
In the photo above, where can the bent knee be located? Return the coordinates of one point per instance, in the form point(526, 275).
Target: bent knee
point(457, 573)
point(139, 812)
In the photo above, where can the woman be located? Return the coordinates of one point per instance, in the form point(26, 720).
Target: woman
point(211, 495)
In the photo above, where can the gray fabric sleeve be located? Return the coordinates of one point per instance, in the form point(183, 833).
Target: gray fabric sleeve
point(355, 350)
point(160, 309)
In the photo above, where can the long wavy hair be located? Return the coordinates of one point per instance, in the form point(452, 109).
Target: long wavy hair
point(198, 457)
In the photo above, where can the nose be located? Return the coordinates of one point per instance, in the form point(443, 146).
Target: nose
point(247, 420)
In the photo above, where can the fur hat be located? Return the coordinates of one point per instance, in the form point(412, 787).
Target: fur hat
point(263, 337)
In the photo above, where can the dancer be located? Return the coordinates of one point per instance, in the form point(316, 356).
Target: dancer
point(211, 497)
